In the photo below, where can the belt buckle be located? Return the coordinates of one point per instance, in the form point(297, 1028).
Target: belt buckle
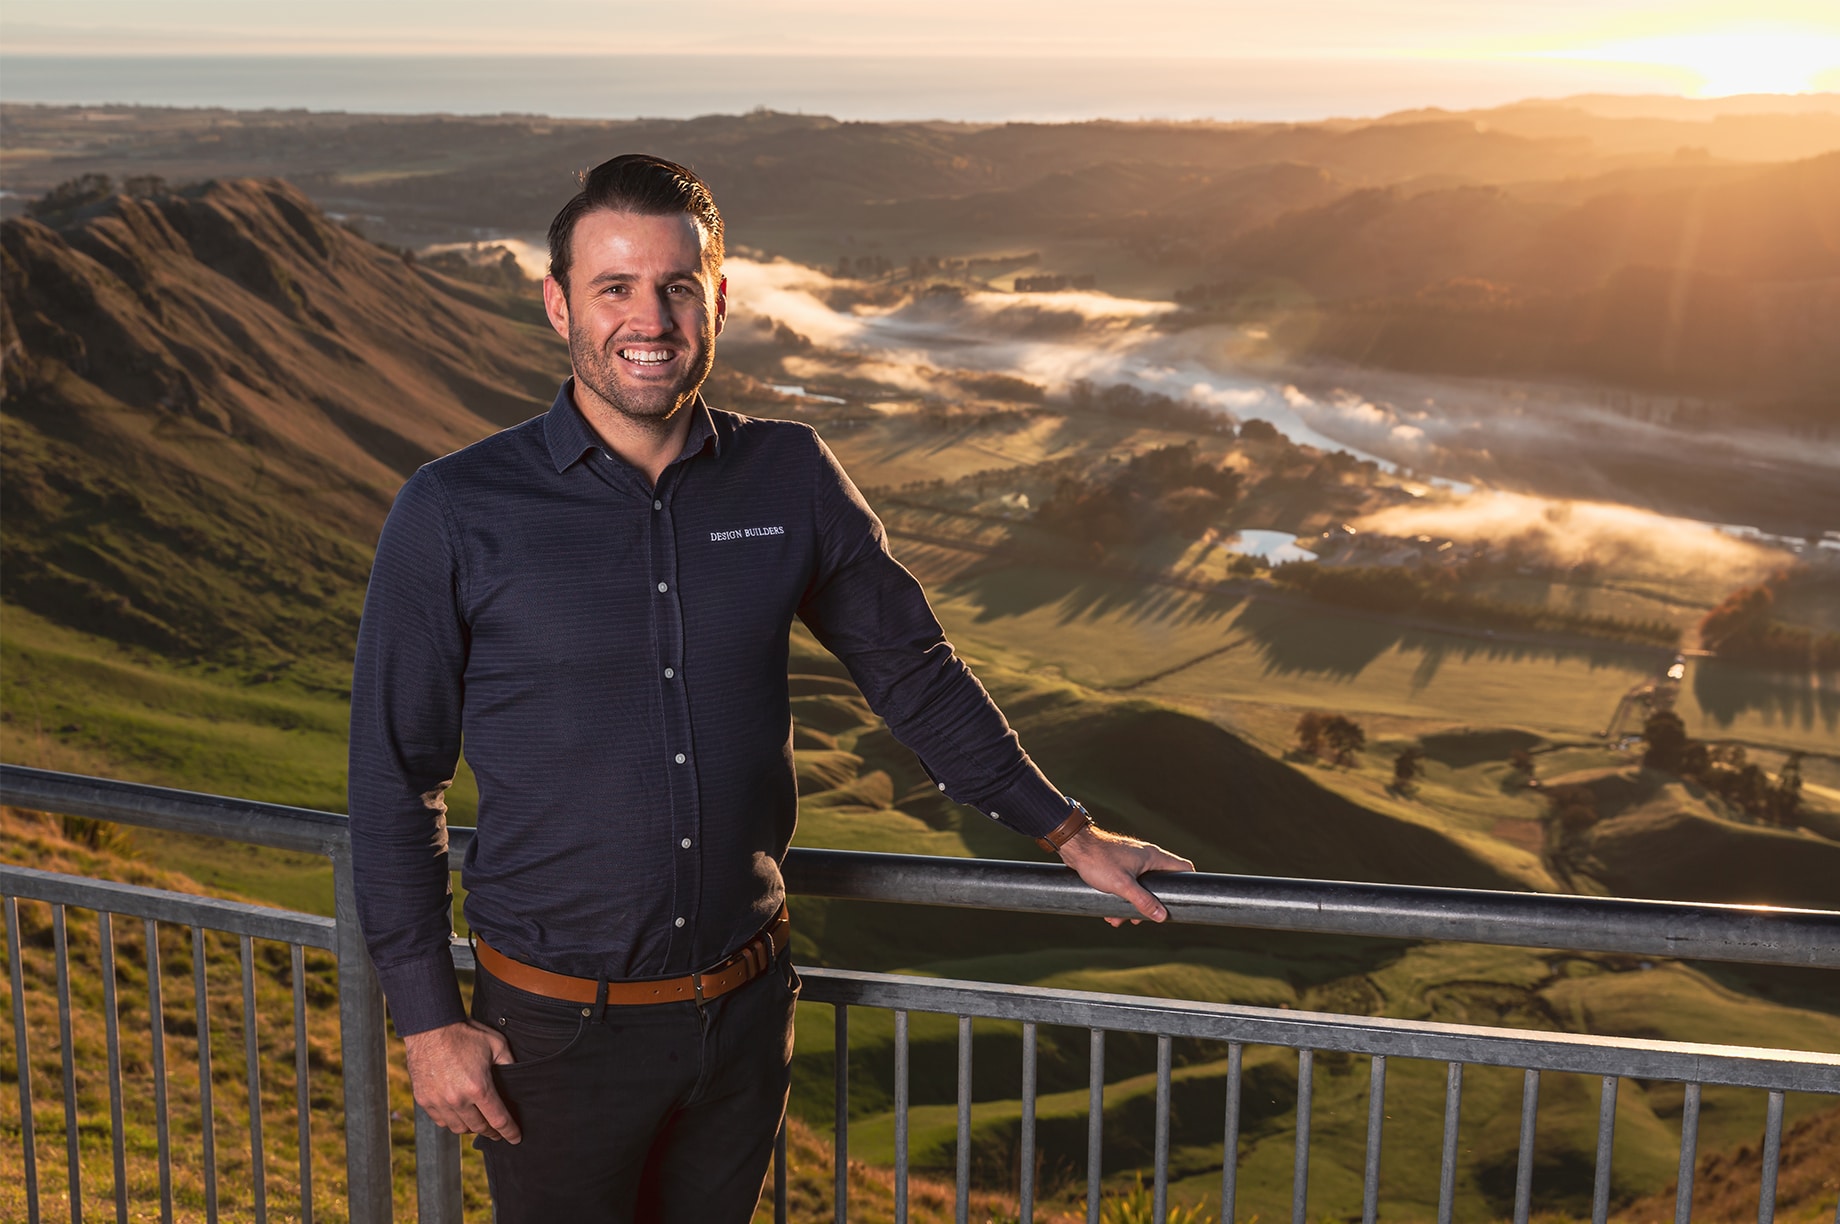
point(696, 984)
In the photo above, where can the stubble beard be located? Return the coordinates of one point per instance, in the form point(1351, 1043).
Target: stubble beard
point(597, 368)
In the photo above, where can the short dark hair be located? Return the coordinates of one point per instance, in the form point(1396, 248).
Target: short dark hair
point(637, 183)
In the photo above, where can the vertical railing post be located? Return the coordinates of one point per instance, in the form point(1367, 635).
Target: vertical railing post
point(438, 1198)
point(365, 1056)
point(840, 1142)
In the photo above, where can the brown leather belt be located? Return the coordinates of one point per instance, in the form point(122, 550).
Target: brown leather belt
point(744, 966)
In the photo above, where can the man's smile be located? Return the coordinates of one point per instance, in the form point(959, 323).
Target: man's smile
point(646, 356)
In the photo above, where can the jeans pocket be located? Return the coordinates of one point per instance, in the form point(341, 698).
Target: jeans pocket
point(536, 1039)
point(537, 1030)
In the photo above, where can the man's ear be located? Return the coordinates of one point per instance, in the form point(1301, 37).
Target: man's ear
point(556, 306)
point(721, 303)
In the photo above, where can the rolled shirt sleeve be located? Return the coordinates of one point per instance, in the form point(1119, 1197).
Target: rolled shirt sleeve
point(872, 614)
point(406, 692)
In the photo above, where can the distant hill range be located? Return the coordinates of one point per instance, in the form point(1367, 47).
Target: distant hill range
point(1690, 248)
point(211, 396)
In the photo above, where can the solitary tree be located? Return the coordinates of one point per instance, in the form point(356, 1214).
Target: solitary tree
point(1344, 738)
point(1667, 741)
point(1310, 732)
point(1332, 735)
point(1786, 796)
point(1521, 762)
point(1408, 768)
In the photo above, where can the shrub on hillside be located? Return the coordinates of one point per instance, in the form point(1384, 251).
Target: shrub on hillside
point(1724, 769)
point(1336, 736)
point(1408, 768)
point(1666, 737)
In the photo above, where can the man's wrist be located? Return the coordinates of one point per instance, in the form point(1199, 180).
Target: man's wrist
point(1078, 821)
point(434, 1034)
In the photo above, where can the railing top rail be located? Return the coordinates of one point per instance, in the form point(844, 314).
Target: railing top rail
point(160, 807)
point(1752, 934)
point(1584, 1053)
point(1694, 931)
point(163, 905)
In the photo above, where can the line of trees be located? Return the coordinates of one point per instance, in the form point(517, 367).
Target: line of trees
point(1134, 403)
point(1171, 488)
point(1744, 627)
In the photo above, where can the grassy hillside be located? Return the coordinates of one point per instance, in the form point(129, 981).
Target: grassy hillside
point(1167, 791)
point(1474, 985)
point(211, 393)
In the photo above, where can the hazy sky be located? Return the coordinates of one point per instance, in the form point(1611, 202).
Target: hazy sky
point(1640, 30)
point(1449, 51)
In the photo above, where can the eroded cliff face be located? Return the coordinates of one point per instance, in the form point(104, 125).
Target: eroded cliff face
point(211, 396)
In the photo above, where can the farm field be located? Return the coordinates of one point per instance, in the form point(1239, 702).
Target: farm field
point(1161, 683)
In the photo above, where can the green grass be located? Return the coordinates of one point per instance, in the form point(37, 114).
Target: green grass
point(1208, 780)
point(1452, 984)
point(1218, 653)
point(77, 703)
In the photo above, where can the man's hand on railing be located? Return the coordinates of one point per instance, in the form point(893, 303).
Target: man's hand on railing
point(450, 1069)
point(1111, 863)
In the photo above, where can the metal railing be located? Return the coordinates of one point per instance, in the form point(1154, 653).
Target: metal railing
point(1757, 935)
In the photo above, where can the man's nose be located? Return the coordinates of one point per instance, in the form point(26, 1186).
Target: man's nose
point(651, 314)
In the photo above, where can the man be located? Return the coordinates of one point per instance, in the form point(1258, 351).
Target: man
point(597, 602)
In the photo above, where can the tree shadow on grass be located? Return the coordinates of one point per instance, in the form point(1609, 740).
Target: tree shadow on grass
point(1324, 643)
point(1019, 590)
point(1294, 638)
point(1728, 691)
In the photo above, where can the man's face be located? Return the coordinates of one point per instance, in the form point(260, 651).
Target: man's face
point(641, 314)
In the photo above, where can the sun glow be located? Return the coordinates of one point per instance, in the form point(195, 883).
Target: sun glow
point(1732, 60)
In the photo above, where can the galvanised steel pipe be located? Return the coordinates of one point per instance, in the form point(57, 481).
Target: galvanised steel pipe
point(159, 807)
point(1740, 933)
point(1749, 934)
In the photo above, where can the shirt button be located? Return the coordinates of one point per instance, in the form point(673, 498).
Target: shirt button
point(668, 673)
point(657, 505)
point(680, 761)
point(663, 587)
point(993, 815)
point(680, 922)
point(685, 843)
point(942, 786)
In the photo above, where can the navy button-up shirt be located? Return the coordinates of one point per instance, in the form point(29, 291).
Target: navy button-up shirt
point(612, 657)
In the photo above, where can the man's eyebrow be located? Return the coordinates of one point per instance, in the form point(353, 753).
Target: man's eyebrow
point(627, 278)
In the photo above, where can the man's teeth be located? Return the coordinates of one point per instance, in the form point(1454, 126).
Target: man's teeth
point(646, 356)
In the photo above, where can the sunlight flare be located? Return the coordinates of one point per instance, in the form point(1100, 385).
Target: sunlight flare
point(1728, 61)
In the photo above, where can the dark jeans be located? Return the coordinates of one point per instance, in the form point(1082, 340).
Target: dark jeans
point(657, 1113)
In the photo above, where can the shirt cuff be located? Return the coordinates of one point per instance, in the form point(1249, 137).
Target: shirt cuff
point(423, 994)
point(1031, 805)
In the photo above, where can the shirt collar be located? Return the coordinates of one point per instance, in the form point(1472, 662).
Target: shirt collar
point(569, 435)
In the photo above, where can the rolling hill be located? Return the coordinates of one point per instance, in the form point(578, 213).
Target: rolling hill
point(1683, 248)
point(211, 396)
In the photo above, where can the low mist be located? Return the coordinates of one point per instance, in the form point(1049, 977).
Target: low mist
point(1564, 532)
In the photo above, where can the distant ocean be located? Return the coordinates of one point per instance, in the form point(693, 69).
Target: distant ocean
point(870, 88)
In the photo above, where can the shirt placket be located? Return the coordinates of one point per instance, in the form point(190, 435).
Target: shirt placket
point(681, 773)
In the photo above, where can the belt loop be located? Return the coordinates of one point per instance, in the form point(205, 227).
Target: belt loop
point(600, 1001)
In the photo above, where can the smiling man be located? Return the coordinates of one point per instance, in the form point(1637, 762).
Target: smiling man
point(597, 603)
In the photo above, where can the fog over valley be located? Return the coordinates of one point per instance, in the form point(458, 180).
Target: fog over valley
point(1443, 498)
